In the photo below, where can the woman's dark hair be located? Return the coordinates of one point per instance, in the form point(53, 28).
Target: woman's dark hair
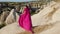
point(27, 6)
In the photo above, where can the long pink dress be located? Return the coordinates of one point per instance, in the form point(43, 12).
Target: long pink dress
point(25, 20)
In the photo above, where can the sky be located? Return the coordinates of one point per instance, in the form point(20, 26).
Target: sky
point(16, 0)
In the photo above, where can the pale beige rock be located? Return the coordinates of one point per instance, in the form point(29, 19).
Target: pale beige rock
point(56, 16)
point(54, 30)
point(42, 17)
point(13, 28)
point(11, 18)
point(4, 16)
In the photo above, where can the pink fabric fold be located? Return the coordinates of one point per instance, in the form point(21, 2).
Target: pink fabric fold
point(25, 20)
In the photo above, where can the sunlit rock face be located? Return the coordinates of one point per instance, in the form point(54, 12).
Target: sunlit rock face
point(56, 16)
point(12, 17)
point(3, 16)
point(13, 28)
point(44, 15)
point(54, 30)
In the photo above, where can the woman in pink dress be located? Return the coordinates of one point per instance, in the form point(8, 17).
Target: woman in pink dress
point(25, 19)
